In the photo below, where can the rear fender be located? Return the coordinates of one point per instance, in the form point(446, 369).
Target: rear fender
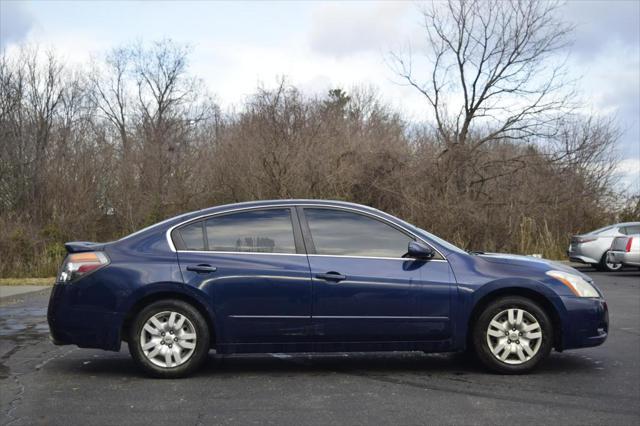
point(167, 290)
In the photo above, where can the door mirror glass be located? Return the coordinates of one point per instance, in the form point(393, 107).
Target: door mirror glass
point(419, 250)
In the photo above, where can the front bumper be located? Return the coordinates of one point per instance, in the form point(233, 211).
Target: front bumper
point(586, 323)
point(626, 258)
point(74, 323)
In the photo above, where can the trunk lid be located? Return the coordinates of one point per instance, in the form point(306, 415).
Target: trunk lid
point(83, 246)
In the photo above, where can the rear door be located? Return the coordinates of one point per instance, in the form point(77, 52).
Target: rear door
point(253, 267)
point(363, 287)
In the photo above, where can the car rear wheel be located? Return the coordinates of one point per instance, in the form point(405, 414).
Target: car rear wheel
point(512, 335)
point(607, 266)
point(169, 339)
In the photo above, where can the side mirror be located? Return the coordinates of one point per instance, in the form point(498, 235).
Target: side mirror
point(419, 250)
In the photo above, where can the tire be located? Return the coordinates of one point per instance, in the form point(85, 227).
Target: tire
point(608, 267)
point(487, 338)
point(169, 339)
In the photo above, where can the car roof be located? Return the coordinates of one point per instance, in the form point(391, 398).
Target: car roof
point(298, 201)
point(615, 225)
point(185, 217)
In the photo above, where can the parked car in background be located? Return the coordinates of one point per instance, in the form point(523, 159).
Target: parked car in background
point(592, 247)
point(625, 250)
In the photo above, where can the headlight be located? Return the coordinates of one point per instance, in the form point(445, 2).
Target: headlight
point(77, 265)
point(576, 284)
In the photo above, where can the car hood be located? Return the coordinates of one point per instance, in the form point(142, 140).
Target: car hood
point(531, 262)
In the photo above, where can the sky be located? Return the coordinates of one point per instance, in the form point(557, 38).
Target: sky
point(237, 46)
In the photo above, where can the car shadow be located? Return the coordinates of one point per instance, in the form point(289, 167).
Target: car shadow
point(225, 367)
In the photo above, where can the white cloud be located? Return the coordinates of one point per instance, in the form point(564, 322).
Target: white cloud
point(341, 29)
point(598, 23)
point(15, 22)
point(628, 172)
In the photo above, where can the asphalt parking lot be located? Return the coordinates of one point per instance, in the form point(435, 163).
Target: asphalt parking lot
point(44, 384)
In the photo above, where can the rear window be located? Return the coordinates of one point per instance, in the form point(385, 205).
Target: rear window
point(602, 230)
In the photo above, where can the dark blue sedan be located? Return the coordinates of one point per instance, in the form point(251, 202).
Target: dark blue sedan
point(314, 276)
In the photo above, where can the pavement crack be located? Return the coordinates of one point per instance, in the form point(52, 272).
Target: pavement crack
point(13, 404)
point(51, 358)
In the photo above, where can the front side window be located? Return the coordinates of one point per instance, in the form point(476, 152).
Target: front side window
point(341, 233)
point(258, 231)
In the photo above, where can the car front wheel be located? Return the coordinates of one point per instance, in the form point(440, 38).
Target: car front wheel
point(512, 335)
point(169, 339)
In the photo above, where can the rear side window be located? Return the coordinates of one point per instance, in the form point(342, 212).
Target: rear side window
point(630, 230)
point(193, 236)
point(258, 231)
point(341, 233)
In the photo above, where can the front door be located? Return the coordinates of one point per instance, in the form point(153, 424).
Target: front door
point(363, 287)
point(252, 266)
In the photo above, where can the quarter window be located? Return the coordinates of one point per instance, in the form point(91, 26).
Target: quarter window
point(341, 233)
point(193, 236)
point(259, 231)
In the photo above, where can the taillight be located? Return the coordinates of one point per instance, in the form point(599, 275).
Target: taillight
point(582, 240)
point(77, 265)
point(628, 248)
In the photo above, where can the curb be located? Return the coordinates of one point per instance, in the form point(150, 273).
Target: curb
point(8, 292)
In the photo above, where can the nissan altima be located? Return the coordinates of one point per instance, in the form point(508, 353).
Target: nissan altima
point(314, 276)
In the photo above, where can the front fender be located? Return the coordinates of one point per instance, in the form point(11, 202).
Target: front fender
point(469, 298)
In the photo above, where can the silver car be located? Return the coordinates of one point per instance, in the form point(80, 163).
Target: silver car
point(592, 247)
point(626, 250)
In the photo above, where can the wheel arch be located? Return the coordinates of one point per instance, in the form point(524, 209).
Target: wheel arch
point(529, 293)
point(163, 294)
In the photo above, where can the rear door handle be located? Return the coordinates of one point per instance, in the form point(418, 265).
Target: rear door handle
point(202, 268)
point(332, 276)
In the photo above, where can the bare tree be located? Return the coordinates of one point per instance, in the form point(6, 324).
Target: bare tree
point(491, 77)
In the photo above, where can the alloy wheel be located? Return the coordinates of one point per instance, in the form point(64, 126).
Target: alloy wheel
point(168, 339)
point(514, 336)
point(613, 266)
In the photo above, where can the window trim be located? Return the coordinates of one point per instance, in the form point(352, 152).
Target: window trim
point(295, 207)
point(174, 236)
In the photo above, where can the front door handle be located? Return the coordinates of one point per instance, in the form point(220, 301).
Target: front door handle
point(202, 268)
point(332, 276)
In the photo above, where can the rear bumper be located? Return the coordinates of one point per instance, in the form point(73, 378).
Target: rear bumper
point(586, 324)
point(577, 256)
point(71, 323)
point(589, 252)
point(626, 258)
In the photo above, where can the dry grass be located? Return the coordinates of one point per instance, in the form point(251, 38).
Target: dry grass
point(27, 281)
